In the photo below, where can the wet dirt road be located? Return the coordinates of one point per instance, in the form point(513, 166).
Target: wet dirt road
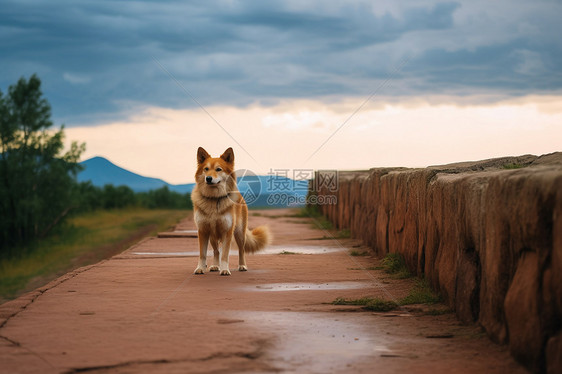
point(144, 311)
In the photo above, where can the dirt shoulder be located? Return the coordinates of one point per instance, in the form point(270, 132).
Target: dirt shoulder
point(144, 311)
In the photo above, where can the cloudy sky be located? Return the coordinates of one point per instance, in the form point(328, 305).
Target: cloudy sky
point(293, 84)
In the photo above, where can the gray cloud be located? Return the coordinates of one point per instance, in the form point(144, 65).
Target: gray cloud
point(96, 57)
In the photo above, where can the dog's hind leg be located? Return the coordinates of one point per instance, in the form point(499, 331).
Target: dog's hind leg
point(203, 243)
point(224, 255)
point(240, 241)
point(216, 255)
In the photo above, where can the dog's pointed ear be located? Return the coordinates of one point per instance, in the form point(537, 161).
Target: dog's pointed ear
point(228, 155)
point(202, 155)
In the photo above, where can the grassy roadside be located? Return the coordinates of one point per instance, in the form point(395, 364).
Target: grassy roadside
point(84, 240)
point(420, 293)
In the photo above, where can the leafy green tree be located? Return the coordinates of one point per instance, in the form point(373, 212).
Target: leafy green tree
point(89, 196)
point(163, 198)
point(37, 179)
point(118, 197)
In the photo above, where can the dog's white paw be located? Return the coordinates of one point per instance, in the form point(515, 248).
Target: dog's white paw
point(199, 271)
point(242, 268)
point(225, 272)
point(213, 268)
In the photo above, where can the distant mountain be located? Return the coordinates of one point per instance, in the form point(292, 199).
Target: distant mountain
point(258, 190)
point(101, 171)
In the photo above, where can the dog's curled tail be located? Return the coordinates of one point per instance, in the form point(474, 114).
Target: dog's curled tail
point(257, 239)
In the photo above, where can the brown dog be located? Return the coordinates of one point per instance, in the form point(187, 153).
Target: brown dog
point(221, 214)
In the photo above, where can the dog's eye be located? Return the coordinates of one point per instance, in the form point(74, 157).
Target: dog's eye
point(218, 169)
point(206, 169)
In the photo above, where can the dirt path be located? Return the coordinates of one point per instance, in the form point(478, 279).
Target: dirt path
point(144, 311)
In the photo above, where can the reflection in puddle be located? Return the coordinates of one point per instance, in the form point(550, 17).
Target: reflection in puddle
point(168, 254)
point(316, 342)
point(308, 286)
point(300, 249)
point(306, 250)
point(186, 232)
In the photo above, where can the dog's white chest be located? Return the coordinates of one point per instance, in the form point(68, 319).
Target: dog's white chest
point(198, 219)
point(226, 220)
point(222, 222)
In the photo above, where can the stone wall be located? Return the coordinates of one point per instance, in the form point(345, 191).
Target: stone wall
point(487, 235)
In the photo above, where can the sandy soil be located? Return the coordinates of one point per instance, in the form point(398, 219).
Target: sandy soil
point(144, 311)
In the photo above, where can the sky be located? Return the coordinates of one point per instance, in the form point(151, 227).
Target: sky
point(293, 85)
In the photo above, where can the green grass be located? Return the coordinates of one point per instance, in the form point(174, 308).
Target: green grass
point(343, 301)
point(375, 304)
point(380, 305)
point(343, 234)
point(356, 253)
point(513, 166)
point(83, 240)
point(298, 222)
point(421, 293)
point(322, 223)
point(393, 263)
point(318, 220)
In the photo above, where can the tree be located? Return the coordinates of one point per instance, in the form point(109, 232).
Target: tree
point(36, 178)
point(163, 198)
point(118, 197)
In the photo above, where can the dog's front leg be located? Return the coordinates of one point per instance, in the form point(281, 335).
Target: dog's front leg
point(203, 243)
point(216, 254)
point(224, 255)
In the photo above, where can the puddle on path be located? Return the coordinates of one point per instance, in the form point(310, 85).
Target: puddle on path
point(317, 342)
point(273, 287)
point(168, 254)
point(178, 234)
point(278, 250)
point(300, 249)
point(186, 232)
